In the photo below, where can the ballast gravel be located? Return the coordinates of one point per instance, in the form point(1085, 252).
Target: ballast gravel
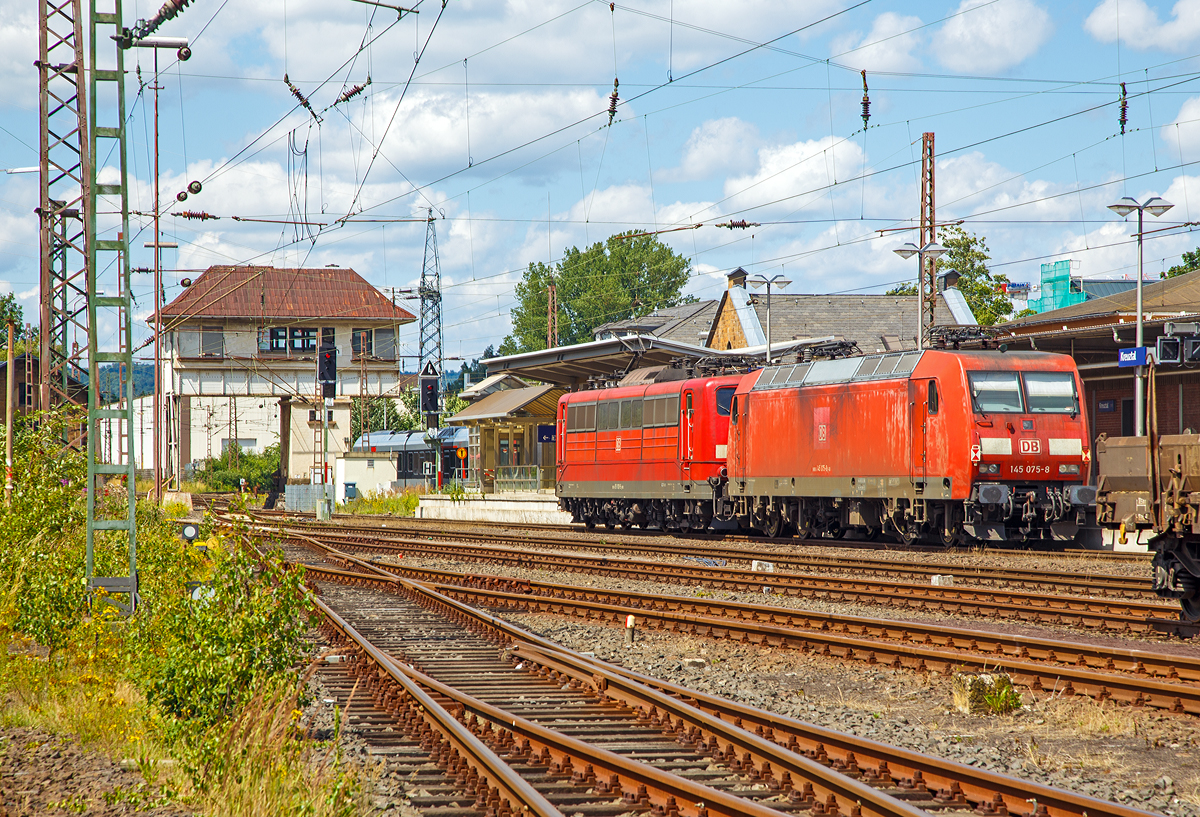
point(1134, 757)
point(1139, 758)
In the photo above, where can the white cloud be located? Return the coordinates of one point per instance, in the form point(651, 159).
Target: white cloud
point(1138, 25)
point(988, 38)
point(1183, 134)
point(718, 146)
point(888, 47)
point(795, 175)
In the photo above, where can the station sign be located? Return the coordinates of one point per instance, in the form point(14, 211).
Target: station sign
point(1135, 356)
point(546, 434)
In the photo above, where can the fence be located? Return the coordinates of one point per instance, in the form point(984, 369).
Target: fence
point(523, 478)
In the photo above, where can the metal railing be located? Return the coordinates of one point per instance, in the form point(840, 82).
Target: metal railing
point(523, 478)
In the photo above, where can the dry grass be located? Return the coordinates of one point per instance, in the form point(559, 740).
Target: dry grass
point(265, 767)
point(1090, 718)
point(271, 769)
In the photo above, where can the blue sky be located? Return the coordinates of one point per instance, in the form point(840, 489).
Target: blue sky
point(746, 110)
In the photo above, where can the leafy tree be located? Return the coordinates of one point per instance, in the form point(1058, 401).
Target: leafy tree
point(23, 339)
point(1191, 263)
point(903, 289)
point(612, 280)
point(381, 414)
point(968, 253)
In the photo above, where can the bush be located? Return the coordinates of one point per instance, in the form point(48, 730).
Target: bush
point(226, 472)
point(178, 675)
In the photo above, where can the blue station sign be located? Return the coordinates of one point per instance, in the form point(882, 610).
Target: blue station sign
point(1135, 356)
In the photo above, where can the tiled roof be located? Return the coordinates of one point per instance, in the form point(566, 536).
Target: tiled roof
point(864, 319)
point(1179, 294)
point(686, 322)
point(267, 292)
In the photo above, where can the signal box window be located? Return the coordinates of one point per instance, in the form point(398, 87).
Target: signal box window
point(212, 340)
point(362, 339)
point(304, 340)
point(1051, 393)
point(277, 339)
point(724, 399)
point(933, 397)
point(996, 393)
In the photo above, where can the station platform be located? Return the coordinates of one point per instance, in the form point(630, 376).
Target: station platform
point(534, 508)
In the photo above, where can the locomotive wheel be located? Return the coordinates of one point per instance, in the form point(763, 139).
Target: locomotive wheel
point(772, 526)
point(1190, 609)
point(804, 531)
point(871, 534)
point(589, 523)
point(950, 538)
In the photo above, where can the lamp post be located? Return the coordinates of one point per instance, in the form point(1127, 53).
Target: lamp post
point(758, 282)
point(932, 250)
point(1156, 207)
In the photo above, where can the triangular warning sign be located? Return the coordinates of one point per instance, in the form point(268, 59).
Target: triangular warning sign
point(429, 370)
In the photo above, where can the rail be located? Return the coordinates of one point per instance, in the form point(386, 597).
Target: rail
point(696, 716)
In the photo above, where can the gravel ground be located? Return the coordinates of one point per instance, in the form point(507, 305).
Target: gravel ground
point(1167, 644)
point(42, 773)
point(1138, 758)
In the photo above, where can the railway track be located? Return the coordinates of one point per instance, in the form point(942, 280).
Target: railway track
point(1139, 677)
point(517, 724)
point(1081, 583)
point(1115, 615)
point(418, 526)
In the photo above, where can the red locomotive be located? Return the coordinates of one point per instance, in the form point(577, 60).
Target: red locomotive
point(644, 455)
point(945, 445)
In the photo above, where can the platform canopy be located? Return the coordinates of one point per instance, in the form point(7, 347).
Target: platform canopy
point(573, 366)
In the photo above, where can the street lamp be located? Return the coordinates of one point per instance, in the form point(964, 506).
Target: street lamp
point(1156, 207)
point(758, 282)
point(932, 250)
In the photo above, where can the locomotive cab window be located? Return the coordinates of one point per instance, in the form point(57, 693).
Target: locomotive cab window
point(996, 393)
point(724, 399)
point(1051, 393)
point(733, 411)
point(933, 397)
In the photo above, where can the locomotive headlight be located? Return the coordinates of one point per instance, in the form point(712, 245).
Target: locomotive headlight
point(989, 468)
point(1068, 469)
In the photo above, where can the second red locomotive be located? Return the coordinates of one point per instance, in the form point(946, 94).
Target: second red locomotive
point(945, 445)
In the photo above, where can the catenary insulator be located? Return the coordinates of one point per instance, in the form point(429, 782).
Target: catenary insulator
point(1123, 117)
point(612, 102)
point(866, 102)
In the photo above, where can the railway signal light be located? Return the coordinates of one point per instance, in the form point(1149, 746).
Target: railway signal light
point(1170, 350)
point(327, 365)
point(429, 395)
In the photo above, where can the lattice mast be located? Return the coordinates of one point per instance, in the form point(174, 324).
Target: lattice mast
point(109, 301)
point(430, 292)
point(551, 316)
point(928, 289)
point(66, 175)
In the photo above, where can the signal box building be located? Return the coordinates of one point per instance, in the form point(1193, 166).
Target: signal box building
point(252, 334)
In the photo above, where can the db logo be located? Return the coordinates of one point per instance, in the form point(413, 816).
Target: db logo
point(1031, 446)
point(975, 455)
point(822, 433)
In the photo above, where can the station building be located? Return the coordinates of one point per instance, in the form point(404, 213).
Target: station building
point(1093, 331)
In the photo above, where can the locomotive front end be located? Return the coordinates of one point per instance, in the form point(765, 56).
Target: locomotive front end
point(1030, 454)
